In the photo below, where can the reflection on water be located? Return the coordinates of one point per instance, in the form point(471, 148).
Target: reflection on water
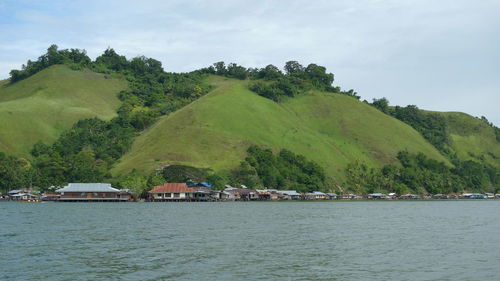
point(438, 240)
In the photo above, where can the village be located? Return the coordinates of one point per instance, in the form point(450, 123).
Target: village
point(203, 192)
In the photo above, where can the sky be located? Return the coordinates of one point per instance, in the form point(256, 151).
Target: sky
point(439, 55)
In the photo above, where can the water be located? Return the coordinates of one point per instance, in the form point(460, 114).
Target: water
point(421, 240)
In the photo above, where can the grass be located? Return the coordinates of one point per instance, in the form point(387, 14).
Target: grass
point(215, 131)
point(472, 139)
point(51, 101)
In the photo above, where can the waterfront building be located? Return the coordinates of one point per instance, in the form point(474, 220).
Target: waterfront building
point(24, 197)
point(409, 196)
point(243, 194)
point(332, 196)
point(316, 195)
point(377, 196)
point(92, 192)
point(174, 191)
point(289, 195)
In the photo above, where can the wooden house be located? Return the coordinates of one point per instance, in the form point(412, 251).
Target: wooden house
point(332, 196)
point(22, 196)
point(290, 195)
point(316, 195)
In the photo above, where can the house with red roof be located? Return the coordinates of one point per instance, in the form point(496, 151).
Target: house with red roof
point(173, 191)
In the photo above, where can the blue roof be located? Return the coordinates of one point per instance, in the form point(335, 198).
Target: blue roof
point(205, 184)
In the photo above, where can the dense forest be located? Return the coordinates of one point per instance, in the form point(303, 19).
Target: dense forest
point(87, 151)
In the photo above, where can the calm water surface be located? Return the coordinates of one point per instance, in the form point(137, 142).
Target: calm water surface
point(434, 240)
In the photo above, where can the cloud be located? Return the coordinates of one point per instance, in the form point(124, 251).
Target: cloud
point(440, 55)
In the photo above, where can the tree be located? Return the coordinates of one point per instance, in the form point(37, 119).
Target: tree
point(11, 173)
point(137, 184)
point(318, 76)
point(236, 71)
point(111, 60)
point(40, 148)
point(220, 68)
point(270, 72)
point(292, 67)
point(218, 181)
point(381, 104)
point(84, 167)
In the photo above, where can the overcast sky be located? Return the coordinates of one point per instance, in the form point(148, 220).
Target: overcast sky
point(439, 55)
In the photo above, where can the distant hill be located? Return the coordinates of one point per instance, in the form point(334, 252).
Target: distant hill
point(215, 131)
point(209, 118)
point(42, 106)
point(472, 138)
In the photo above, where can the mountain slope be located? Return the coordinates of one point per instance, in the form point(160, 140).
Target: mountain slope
point(216, 130)
point(472, 138)
point(43, 105)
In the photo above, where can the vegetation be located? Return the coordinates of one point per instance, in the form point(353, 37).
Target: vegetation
point(89, 149)
point(184, 173)
point(216, 131)
point(472, 138)
point(422, 175)
point(432, 126)
point(273, 84)
point(14, 172)
point(458, 136)
point(43, 106)
point(323, 136)
point(285, 170)
point(75, 58)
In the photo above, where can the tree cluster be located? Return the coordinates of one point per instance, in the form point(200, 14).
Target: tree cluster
point(75, 58)
point(431, 126)
point(419, 174)
point(284, 170)
point(274, 84)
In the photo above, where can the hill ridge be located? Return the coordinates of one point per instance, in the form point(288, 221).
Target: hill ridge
point(42, 106)
point(276, 125)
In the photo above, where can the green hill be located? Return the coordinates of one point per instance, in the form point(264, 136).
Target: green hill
point(43, 105)
point(215, 131)
point(472, 138)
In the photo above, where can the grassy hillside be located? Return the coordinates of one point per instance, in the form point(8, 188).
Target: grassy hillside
point(43, 105)
point(472, 138)
point(216, 130)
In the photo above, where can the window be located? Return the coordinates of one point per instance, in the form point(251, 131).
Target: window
point(168, 194)
point(177, 195)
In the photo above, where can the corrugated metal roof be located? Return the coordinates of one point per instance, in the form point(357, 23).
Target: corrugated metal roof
point(289, 192)
point(15, 191)
point(173, 187)
point(88, 187)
